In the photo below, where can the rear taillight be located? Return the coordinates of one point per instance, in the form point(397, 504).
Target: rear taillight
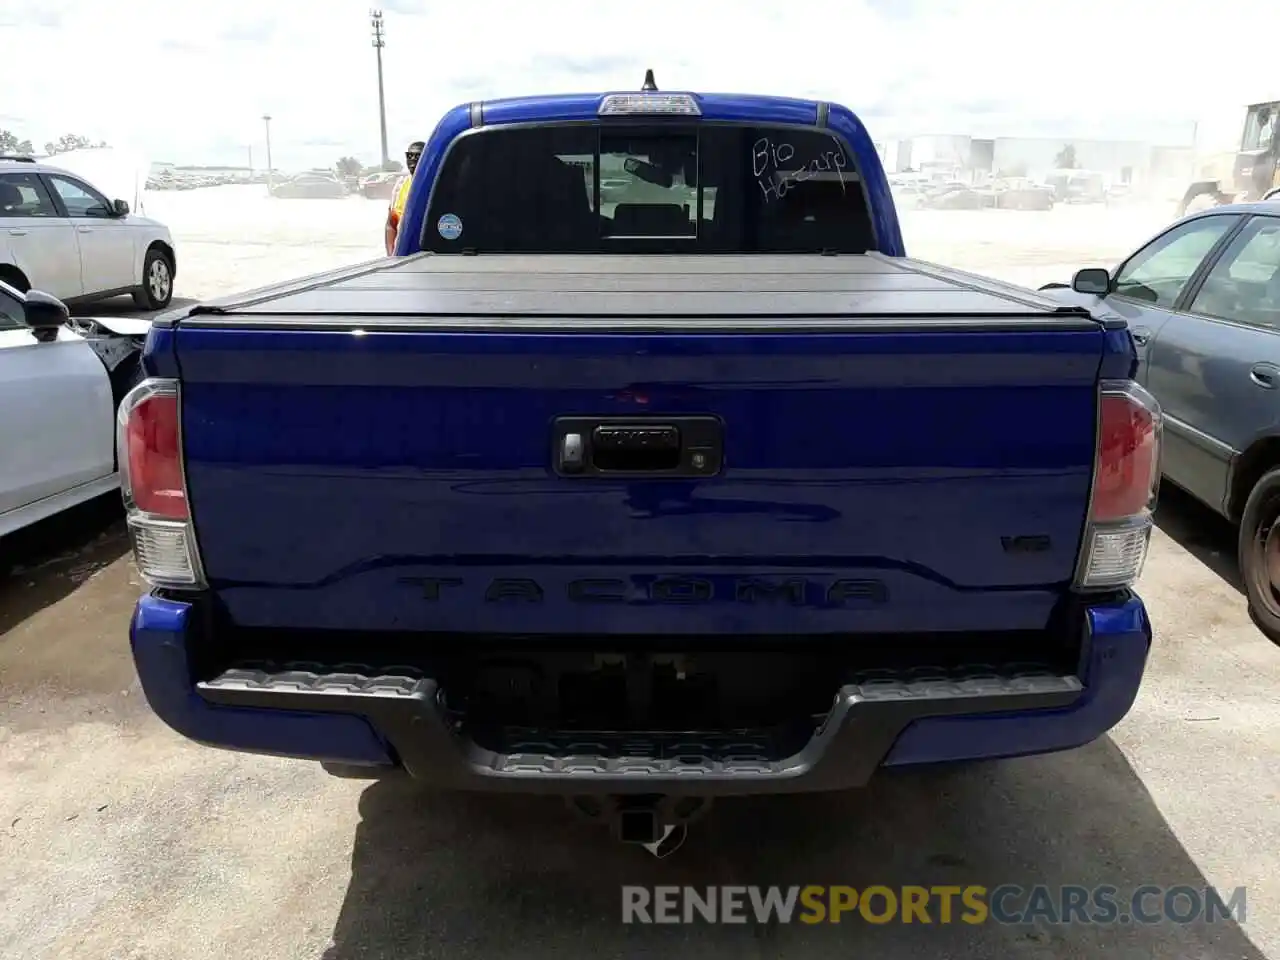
point(149, 446)
point(1126, 480)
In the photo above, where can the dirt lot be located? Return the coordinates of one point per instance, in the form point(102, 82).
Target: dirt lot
point(120, 841)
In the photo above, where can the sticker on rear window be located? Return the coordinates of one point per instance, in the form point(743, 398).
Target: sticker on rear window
point(449, 226)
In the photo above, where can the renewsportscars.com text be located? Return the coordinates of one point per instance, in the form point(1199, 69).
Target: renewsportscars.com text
point(1005, 904)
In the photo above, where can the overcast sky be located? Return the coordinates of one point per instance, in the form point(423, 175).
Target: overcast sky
point(188, 80)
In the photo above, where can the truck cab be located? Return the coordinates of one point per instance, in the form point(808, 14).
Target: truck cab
point(1257, 168)
point(647, 173)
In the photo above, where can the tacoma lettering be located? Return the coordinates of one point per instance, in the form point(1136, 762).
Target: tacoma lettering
point(523, 590)
point(598, 591)
point(671, 588)
point(681, 590)
point(753, 591)
point(431, 585)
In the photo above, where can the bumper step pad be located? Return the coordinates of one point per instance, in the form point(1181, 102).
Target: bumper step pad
point(839, 750)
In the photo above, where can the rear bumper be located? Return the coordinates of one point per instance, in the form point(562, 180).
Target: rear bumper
point(388, 722)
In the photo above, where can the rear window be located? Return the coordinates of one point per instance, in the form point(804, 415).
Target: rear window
point(601, 188)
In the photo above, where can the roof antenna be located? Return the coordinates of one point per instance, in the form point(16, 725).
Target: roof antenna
point(650, 85)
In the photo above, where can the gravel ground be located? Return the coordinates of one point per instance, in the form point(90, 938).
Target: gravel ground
point(120, 841)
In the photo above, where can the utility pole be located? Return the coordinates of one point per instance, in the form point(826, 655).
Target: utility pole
point(266, 119)
point(250, 149)
point(379, 41)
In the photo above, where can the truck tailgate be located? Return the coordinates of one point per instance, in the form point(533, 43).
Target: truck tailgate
point(891, 447)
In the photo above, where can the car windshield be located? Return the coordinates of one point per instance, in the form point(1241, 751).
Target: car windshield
point(591, 188)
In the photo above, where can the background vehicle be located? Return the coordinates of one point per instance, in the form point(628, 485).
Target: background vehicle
point(1202, 300)
point(958, 196)
point(59, 234)
point(379, 186)
point(961, 194)
point(1252, 173)
point(695, 491)
point(1077, 186)
point(1022, 194)
point(310, 186)
point(60, 383)
point(1000, 194)
point(907, 195)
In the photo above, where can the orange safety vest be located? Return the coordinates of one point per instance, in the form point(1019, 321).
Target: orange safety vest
point(399, 197)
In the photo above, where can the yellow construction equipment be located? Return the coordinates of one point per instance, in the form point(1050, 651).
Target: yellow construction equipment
point(1251, 173)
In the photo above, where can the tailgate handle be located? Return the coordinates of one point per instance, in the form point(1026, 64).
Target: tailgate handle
point(672, 447)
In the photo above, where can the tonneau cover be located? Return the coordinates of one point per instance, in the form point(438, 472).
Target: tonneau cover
point(702, 286)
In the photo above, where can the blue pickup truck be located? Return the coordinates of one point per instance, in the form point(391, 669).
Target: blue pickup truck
point(650, 470)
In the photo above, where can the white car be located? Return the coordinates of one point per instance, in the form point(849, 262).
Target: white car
point(60, 235)
point(61, 380)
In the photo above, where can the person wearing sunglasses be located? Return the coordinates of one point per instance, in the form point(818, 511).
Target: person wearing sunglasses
point(401, 193)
